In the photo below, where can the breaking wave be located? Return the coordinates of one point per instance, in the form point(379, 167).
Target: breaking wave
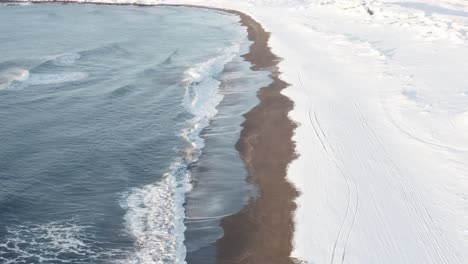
point(13, 74)
point(155, 212)
point(46, 79)
point(59, 241)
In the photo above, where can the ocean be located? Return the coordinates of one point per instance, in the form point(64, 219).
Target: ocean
point(118, 127)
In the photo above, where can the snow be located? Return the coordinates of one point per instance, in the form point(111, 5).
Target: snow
point(382, 103)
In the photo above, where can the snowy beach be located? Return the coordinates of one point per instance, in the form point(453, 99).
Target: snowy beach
point(380, 93)
point(382, 105)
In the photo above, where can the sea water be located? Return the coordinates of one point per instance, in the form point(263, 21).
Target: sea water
point(118, 127)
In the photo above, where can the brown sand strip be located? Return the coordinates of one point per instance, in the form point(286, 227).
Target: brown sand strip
point(261, 233)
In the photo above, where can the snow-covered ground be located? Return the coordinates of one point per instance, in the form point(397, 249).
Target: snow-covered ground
point(382, 103)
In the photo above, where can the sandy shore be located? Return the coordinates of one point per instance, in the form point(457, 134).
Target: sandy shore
point(262, 231)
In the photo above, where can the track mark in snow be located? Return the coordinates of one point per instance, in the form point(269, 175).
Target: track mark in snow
point(439, 249)
point(426, 142)
point(352, 189)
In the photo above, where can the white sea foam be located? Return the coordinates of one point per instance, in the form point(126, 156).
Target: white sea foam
point(155, 212)
point(46, 79)
point(201, 94)
point(56, 78)
point(19, 78)
point(12, 74)
point(155, 217)
point(49, 242)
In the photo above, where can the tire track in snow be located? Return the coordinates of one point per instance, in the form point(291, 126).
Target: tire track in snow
point(421, 140)
point(319, 133)
point(372, 50)
point(438, 249)
point(409, 81)
point(414, 202)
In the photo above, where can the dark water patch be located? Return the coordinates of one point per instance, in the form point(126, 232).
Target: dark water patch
point(168, 60)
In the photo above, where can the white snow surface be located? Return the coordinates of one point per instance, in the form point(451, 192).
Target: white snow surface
point(382, 103)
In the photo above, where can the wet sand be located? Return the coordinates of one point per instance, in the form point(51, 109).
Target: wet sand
point(262, 231)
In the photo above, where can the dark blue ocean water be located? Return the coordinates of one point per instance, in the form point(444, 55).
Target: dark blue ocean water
point(117, 132)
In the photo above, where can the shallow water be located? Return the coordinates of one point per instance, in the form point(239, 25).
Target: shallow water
point(113, 117)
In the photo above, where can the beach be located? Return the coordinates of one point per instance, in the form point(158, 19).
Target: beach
point(195, 95)
point(358, 148)
point(262, 231)
point(381, 167)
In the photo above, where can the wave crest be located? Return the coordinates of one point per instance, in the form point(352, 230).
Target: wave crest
point(58, 241)
point(8, 76)
point(66, 59)
point(155, 213)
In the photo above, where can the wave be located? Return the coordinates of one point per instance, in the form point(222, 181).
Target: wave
point(155, 213)
point(201, 94)
point(47, 79)
point(170, 57)
point(66, 59)
point(58, 241)
point(114, 50)
point(56, 78)
point(13, 74)
point(18, 77)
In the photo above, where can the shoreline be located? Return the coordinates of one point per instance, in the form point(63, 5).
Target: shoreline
point(262, 231)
